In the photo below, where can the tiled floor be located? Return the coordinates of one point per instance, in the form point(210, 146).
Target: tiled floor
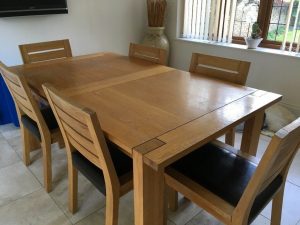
point(23, 200)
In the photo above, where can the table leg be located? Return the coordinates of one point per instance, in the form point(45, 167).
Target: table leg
point(251, 133)
point(149, 193)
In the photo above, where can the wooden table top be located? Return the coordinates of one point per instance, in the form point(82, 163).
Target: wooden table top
point(146, 107)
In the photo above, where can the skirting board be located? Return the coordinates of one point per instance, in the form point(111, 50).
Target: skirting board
point(293, 108)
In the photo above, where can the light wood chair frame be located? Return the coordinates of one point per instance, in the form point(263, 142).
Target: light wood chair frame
point(231, 70)
point(82, 132)
point(152, 54)
point(26, 105)
point(276, 161)
point(44, 51)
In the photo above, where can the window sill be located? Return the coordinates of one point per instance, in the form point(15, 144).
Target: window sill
point(244, 47)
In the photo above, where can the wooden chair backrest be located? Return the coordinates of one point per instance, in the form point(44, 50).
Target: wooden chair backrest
point(21, 94)
point(156, 55)
point(81, 130)
point(44, 51)
point(276, 161)
point(231, 70)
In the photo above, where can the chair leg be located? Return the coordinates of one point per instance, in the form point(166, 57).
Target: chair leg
point(26, 145)
point(73, 187)
point(230, 137)
point(47, 161)
point(277, 207)
point(172, 198)
point(112, 208)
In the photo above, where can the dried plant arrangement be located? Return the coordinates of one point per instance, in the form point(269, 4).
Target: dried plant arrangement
point(156, 12)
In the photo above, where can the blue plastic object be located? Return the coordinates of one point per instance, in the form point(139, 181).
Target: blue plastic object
point(8, 112)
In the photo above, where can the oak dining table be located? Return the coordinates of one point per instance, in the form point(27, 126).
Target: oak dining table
point(155, 114)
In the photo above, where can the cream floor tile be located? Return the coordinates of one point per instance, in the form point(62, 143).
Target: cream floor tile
point(6, 127)
point(89, 198)
point(8, 156)
point(126, 209)
point(186, 211)
point(34, 209)
point(59, 164)
point(294, 172)
point(125, 213)
point(170, 223)
point(261, 220)
point(205, 218)
point(17, 145)
point(262, 145)
point(16, 181)
point(98, 218)
point(10, 131)
point(291, 206)
point(95, 218)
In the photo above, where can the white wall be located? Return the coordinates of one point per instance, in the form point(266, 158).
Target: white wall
point(91, 26)
point(275, 73)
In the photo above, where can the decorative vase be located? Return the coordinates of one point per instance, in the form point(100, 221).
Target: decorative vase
point(253, 43)
point(155, 37)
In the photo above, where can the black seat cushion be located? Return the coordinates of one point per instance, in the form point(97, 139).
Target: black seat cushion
point(224, 174)
point(122, 163)
point(32, 126)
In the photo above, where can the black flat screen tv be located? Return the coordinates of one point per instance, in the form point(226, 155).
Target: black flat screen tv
point(9, 8)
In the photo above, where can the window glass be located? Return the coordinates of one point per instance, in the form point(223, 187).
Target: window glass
point(278, 21)
point(246, 15)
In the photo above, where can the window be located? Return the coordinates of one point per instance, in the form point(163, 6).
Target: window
point(231, 21)
point(246, 15)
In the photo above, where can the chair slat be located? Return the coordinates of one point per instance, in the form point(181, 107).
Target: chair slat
point(25, 110)
point(85, 152)
point(219, 74)
point(49, 55)
point(231, 70)
point(78, 126)
point(147, 53)
point(87, 144)
point(68, 109)
point(44, 51)
point(44, 46)
point(17, 89)
point(22, 100)
point(218, 62)
point(20, 93)
point(13, 79)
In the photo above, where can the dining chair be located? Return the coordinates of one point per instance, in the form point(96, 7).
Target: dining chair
point(233, 186)
point(152, 54)
point(34, 122)
point(44, 51)
point(231, 70)
point(102, 162)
